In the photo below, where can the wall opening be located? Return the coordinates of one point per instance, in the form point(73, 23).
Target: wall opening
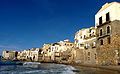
point(100, 20)
point(108, 17)
point(101, 42)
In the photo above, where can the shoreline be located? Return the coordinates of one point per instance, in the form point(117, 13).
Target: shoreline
point(112, 68)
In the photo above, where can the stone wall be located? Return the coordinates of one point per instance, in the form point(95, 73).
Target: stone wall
point(107, 54)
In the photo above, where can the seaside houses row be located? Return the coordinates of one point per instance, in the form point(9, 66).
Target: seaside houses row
point(95, 45)
point(58, 51)
point(33, 54)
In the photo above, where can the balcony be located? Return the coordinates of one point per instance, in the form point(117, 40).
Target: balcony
point(104, 34)
point(107, 22)
point(89, 37)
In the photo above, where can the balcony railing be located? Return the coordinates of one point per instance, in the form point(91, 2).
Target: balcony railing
point(89, 37)
point(106, 22)
point(104, 34)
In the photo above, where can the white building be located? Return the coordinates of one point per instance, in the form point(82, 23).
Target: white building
point(84, 35)
point(108, 12)
point(30, 54)
point(9, 55)
point(85, 44)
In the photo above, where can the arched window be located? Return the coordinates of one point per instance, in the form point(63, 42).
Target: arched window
point(108, 29)
point(109, 40)
point(101, 42)
point(100, 32)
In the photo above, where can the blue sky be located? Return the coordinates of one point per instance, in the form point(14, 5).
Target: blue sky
point(31, 23)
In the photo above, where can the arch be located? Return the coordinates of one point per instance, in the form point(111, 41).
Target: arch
point(101, 42)
point(101, 32)
point(108, 29)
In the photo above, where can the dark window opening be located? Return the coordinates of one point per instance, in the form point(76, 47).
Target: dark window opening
point(88, 53)
point(90, 30)
point(100, 32)
point(100, 20)
point(107, 17)
point(84, 36)
point(88, 58)
point(95, 56)
point(118, 63)
point(7, 51)
point(109, 40)
point(108, 29)
point(90, 35)
point(101, 42)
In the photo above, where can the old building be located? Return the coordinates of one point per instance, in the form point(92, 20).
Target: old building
point(107, 22)
point(9, 55)
point(61, 51)
point(85, 46)
point(46, 54)
point(33, 54)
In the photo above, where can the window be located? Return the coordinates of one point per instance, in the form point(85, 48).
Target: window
point(84, 36)
point(93, 44)
point(100, 32)
point(109, 40)
point(90, 35)
point(88, 58)
point(107, 17)
point(88, 53)
point(101, 42)
point(90, 30)
point(70, 44)
point(100, 20)
point(87, 46)
point(81, 45)
point(95, 56)
point(81, 37)
point(108, 29)
point(7, 51)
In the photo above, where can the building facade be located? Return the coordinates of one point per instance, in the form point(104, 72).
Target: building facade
point(9, 55)
point(107, 22)
point(85, 46)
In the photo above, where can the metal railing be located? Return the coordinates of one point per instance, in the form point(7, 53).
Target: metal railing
point(103, 22)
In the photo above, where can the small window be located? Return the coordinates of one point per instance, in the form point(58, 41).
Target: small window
point(95, 56)
point(80, 37)
point(84, 36)
point(100, 20)
point(109, 40)
point(108, 29)
point(100, 32)
point(101, 42)
point(81, 45)
point(90, 30)
point(89, 58)
point(90, 35)
point(88, 53)
point(7, 51)
point(94, 44)
point(107, 17)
